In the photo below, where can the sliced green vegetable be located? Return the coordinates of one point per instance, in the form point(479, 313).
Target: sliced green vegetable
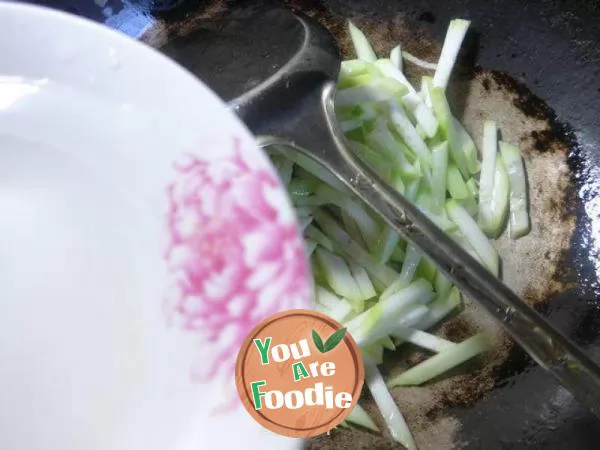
point(443, 361)
point(474, 235)
point(396, 57)
point(418, 61)
point(410, 136)
point(454, 38)
point(519, 217)
point(361, 44)
point(422, 339)
point(465, 142)
point(445, 118)
point(382, 319)
point(392, 416)
point(339, 278)
point(359, 416)
point(387, 245)
point(357, 253)
point(500, 196)
point(439, 309)
point(362, 279)
point(486, 179)
point(438, 175)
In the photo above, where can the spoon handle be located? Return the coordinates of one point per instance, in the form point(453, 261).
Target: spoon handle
point(319, 136)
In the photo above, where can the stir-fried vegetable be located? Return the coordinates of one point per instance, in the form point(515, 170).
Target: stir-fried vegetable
point(360, 417)
point(445, 360)
point(519, 218)
point(389, 410)
point(384, 291)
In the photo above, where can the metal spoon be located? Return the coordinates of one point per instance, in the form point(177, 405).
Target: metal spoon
point(278, 71)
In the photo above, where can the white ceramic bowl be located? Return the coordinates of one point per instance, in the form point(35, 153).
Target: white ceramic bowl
point(142, 235)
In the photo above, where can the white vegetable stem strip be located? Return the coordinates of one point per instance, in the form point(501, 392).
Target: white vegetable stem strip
point(379, 271)
point(422, 339)
point(396, 57)
point(316, 169)
point(389, 410)
point(519, 218)
point(452, 43)
point(409, 134)
point(418, 61)
point(362, 46)
point(466, 143)
point(368, 228)
point(362, 279)
point(387, 244)
point(353, 67)
point(359, 416)
point(339, 277)
point(445, 118)
point(439, 309)
point(438, 175)
point(423, 115)
point(409, 267)
point(388, 69)
point(443, 361)
point(309, 247)
point(326, 297)
point(474, 235)
point(317, 235)
point(413, 316)
point(442, 284)
point(486, 179)
point(381, 319)
point(426, 82)
point(499, 198)
point(373, 91)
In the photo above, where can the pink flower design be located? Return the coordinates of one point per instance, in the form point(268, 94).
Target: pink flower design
point(234, 255)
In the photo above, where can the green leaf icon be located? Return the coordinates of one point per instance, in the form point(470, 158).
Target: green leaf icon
point(334, 340)
point(318, 341)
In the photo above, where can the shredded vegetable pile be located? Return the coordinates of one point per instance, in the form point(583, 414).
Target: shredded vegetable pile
point(366, 276)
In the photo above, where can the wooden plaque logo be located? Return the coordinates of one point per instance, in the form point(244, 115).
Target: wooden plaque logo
point(299, 373)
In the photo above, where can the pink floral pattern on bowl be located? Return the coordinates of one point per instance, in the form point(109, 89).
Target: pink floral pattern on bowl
point(235, 255)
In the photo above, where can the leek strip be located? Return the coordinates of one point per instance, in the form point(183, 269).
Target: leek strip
point(317, 235)
point(379, 320)
point(418, 61)
point(438, 175)
point(361, 44)
point(359, 416)
point(465, 142)
point(422, 339)
point(339, 278)
point(500, 198)
point(519, 218)
point(358, 254)
point(445, 118)
point(486, 179)
point(387, 244)
point(439, 308)
point(474, 235)
point(392, 416)
point(362, 279)
point(452, 43)
point(411, 262)
point(396, 57)
point(443, 361)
